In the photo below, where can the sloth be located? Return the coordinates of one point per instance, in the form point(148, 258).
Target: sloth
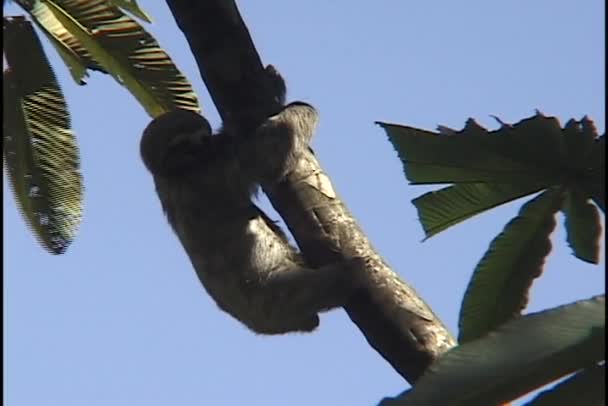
point(205, 183)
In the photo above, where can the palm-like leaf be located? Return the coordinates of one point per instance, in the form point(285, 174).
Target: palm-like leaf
point(40, 152)
point(97, 33)
point(77, 58)
point(132, 7)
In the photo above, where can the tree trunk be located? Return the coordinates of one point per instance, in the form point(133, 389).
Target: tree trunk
point(393, 318)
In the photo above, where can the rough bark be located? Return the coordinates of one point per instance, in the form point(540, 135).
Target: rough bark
point(393, 318)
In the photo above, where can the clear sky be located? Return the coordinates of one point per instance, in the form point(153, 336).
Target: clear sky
point(121, 318)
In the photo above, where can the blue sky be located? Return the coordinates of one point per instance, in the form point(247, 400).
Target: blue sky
point(121, 318)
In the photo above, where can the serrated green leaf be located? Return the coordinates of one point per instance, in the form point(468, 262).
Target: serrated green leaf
point(578, 144)
point(444, 208)
point(468, 156)
point(534, 151)
point(583, 227)
point(596, 186)
point(587, 387)
point(518, 357)
point(40, 151)
point(536, 141)
point(498, 290)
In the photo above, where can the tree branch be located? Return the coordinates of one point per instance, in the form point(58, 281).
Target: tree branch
point(393, 318)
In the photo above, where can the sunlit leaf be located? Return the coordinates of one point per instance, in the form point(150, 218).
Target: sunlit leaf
point(40, 152)
point(122, 47)
point(132, 7)
point(74, 55)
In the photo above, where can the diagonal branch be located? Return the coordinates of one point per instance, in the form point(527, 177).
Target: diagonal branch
point(393, 318)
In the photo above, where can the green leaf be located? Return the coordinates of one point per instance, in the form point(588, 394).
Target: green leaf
point(536, 141)
point(587, 387)
point(74, 55)
point(518, 357)
point(469, 156)
point(132, 7)
point(585, 160)
point(444, 208)
point(40, 152)
point(583, 227)
point(579, 139)
point(498, 290)
point(533, 154)
point(597, 184)
point(122, 47)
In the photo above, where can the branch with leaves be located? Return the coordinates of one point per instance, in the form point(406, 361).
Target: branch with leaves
point(394, 319)
point(503, 355)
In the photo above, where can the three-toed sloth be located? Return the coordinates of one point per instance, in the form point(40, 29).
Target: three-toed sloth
point(205, 183)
